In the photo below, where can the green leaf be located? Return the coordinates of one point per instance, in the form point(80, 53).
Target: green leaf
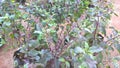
point(94, 0)
point(79, 50)
point(33, 53)
point(2, 41)
point(37, 58)
point(16, 35)
point(67, 64)
point(12, 17)
point(25, 16)
point(33, 43)
point(6, 15)
point(117, 58)
point(115, 64)
point(41, 34)
point(38, 32)
point(26, 65)
point(107, 16)
point(13, 1)
point(117, 46)
point(88, 30)
point(95, 49)
point(86, 45)
point(37, 27)
point(7, 23)
point(103, 30)
point(61, 59)
point(83, 65)
point(1, 45)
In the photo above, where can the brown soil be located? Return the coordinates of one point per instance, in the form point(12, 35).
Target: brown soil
point(116, 24)
point(6, 57)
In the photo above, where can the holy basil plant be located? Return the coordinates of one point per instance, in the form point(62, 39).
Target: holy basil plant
point(60, 33)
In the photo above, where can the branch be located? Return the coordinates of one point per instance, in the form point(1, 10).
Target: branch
point(95, 32)
point(112, 38)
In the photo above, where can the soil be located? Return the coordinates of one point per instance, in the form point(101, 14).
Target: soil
point(6, 56)
point(116, 24)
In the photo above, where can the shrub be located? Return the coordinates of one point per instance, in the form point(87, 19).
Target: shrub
point(61, 33)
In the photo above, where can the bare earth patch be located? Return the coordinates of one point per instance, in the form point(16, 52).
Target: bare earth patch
point(115, 22)
point(6, 57)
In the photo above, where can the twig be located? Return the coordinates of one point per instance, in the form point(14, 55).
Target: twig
point(95, 32)
point(112, 38)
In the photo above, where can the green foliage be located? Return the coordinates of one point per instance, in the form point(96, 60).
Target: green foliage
point(59, 33)
point(2, 41)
